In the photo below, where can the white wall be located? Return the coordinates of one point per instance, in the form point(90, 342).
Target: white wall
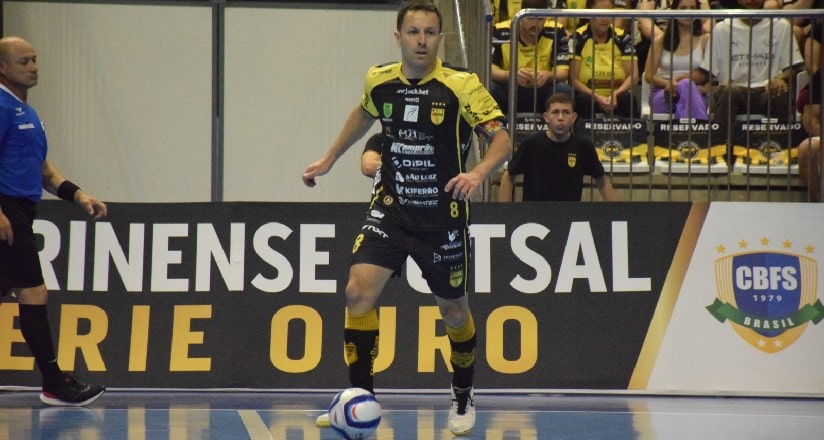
point(126, 94)
point(292, 77)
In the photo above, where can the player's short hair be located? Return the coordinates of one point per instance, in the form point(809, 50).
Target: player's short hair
point(419, 5)
point(560, 98)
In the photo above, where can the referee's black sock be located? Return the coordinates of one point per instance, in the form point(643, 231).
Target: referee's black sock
point(360, 337)
point(34, 324)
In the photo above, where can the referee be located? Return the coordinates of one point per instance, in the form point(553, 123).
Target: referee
point(24, 172)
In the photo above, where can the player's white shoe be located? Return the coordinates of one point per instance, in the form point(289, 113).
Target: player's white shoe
point(323, 421)
point(462, 413)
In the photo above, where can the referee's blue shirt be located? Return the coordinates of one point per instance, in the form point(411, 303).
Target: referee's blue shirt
point(23, 148)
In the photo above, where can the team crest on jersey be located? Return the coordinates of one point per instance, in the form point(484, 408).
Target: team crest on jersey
point(769, 297)
point(387, 109)
point(437, 113)
point(388, 200)
point(456, 278)
point(571, 160)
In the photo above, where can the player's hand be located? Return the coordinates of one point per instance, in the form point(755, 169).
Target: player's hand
point(6, 233)
point(462, 185)
point(92, 205)
point(314, 170)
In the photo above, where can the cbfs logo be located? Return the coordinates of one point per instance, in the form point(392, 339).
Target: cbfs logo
point(769, 297)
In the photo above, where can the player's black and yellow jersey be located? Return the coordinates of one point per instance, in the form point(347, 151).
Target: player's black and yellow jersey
point(428, 131)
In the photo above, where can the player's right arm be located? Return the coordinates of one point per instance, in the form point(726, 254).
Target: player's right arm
point(356, 125)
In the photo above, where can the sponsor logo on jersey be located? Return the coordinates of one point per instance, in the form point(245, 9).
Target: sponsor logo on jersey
point(410, 113)
point(769, 297)
point(456, 278)
point(376, 230)
point(388, 200)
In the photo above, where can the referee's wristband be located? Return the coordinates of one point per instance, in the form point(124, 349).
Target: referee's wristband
point(66, 191)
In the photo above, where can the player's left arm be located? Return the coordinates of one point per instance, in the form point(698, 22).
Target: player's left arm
point(499, 151)
point(55, 183)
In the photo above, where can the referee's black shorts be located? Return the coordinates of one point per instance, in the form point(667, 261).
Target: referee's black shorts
point(19, 263)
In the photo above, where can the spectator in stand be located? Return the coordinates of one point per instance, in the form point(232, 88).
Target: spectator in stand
point(604, 68)
point(543, 61)
point(801, 25)
point(809, 151)
point(674, 54)
point(504, 10)
point(807, 32)
point(555, 162)
point(572, 23)
point(753, 75)
point(650, 29)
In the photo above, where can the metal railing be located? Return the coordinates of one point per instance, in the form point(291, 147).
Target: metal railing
point(742, 175)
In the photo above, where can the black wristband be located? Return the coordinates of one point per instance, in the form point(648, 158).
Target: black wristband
point(66, 191)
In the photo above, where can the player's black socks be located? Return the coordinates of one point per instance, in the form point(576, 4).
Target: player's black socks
point(360, 338)
point(462, 341)
point(34, 324)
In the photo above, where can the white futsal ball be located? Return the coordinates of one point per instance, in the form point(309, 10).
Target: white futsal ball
point(354, 413)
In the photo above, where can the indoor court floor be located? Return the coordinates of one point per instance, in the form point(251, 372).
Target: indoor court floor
point(130, 415)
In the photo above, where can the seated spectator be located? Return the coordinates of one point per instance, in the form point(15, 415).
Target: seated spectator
point(573, 23)
point(754, 76)
point(604, 68)
point(809, 151)
point(554, 162)
point(504, 10)
point(674, 54)
point(650, 29)
point(802, 25)
point(540, 74)
point(813, 47)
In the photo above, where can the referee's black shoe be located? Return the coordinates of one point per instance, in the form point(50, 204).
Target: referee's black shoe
point(71, 391)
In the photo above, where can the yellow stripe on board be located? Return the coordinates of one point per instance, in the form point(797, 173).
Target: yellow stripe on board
point(669, 295)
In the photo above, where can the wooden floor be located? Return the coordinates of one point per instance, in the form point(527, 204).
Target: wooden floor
point(133, 415)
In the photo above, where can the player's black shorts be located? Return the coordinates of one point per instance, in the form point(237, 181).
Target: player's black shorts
point(442, 255)
point(19, 263)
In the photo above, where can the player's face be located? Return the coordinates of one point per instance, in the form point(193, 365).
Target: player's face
point(19, 69)
point(419, 39)
point(560, 117)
